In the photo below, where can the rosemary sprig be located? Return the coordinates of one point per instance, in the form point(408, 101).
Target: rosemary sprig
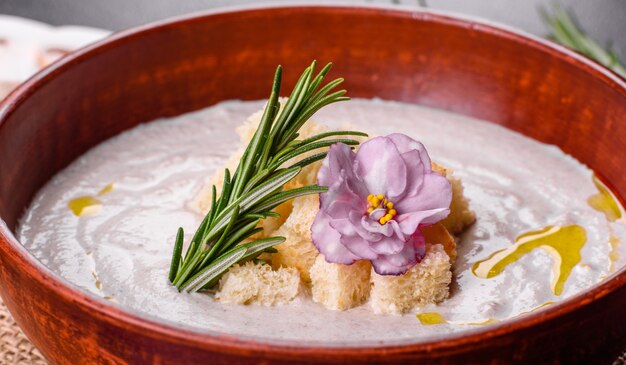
point(257, 185)
point(563, 30)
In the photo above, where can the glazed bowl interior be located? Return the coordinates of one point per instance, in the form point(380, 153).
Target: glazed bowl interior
point(175, 67)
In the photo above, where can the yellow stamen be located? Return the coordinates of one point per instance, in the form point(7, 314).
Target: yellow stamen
point(381, 202)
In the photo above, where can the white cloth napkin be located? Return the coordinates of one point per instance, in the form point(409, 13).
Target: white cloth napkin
point(26, 46)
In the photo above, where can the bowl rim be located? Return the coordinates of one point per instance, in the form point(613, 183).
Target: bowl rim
point(227, 343)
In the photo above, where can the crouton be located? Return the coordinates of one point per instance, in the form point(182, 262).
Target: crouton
point(340, 287)
point(425, 283)
point(251, 283)
point(298, 250)
point(460, 216)
point(437, 233)
point(439, 169)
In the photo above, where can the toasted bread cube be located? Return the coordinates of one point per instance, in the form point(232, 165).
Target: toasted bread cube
point(298, 250)
point(439, 169)
point(340, 287)
point(437, 233)
point(460, 216)
point(258, 284)
point(425, 283)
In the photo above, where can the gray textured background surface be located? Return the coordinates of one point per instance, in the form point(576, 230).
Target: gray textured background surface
point(605, 20)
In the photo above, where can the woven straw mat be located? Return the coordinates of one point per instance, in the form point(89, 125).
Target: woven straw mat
point(15, 349)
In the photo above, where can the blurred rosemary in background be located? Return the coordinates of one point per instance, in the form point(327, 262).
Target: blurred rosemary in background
point(563, 30)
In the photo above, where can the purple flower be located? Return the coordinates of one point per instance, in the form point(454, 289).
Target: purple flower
point(376, 201)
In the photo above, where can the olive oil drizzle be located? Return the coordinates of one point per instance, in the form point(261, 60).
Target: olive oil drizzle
point(534, 309)
point(604, 201)
point(563, 243)
point(85, 206)
point(88, 205)
point(431, 318)
point(613, 253)
point(107, 189)
point(483, 323)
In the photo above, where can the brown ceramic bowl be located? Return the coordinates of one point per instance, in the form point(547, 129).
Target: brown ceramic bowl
point(173, 67)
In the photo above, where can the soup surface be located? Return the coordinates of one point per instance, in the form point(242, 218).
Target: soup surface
point(107, 224)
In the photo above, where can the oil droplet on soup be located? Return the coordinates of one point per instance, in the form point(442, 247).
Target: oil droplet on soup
point(604, 201)
point(430, 318)
point(482, 323)
point(107, 189)
point(85, 206)
point(613, 253)
point(563, 243)
point(534, 309)
point(494, 320)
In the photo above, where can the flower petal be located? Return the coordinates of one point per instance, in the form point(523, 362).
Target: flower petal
point(399, 263)
point(339, 201)
point(396, 229)
point(381, 167)
point(405, 144)
point(435, 193)
point(339, 157)
point(359, 247)
point(410, 222)
point(377, 214)
point(340, 164)
point(341, 198)
point(374, 227)
point(388, 246)
point(416, 170)
point(328, 241)
point(351, 227)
